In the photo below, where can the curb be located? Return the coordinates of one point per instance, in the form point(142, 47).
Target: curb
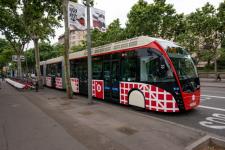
point(204, 143)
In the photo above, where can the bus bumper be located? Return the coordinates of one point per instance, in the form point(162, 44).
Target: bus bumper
point(191, 100)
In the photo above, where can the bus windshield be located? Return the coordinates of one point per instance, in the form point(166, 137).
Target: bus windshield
point(184, 66)
point(182, 61)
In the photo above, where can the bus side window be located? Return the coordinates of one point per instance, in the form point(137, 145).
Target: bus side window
point(129, 69)
point(83, 69)
point(106, 71)
point(42, 70)
point(59, 69)
point(74, 67)
point(97, 68)
point(153, 67)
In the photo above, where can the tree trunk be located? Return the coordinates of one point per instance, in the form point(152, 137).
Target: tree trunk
point(37, 64)
point(66, 50)
point(19, 66)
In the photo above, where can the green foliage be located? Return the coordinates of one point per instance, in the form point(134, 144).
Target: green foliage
point(77, 48)
point(157, 19)
point(202, 27)
point(114, 33)
point(41, 17)
point(12, 24)
point(221, 61)
point(6, 52)
point(47, 51)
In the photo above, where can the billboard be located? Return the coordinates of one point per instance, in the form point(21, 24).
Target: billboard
point(98, 19)
point(77, 16)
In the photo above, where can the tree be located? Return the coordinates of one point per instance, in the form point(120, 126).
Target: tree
point(114, 33)
point(157, 19)
point(40, 19)
point(13, 27)
point(66, 49)
point(6, 52)
point(203, 26)
point(47, 51)
point(137, 20)
point(98, 38)
point(77, 48)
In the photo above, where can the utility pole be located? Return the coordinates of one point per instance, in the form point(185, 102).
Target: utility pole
point(89, 54)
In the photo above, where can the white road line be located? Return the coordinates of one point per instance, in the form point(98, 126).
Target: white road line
point(213, 96)
point(213, 108)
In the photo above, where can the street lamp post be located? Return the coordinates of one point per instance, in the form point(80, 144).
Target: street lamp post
point(89, 54)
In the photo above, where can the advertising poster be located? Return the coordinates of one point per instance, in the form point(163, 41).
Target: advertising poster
point(98, 19)
point(77, 16)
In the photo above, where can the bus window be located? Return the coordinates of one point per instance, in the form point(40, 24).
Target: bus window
point(97, 67)
point(59, 69)
point(106, 71)
point(83, 70)
point(74, 67)
point(97, 70)
point(153, 67)
point(129, 69)
point(42, 70)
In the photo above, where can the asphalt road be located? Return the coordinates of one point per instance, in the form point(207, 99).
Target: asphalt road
point(209, 116)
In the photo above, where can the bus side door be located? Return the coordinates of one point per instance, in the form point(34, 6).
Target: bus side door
point(83, 77)
point(107, 79)
point(115, 74)
point(111, 70)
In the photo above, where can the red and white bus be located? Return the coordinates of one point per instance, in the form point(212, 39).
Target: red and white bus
point(146, 72)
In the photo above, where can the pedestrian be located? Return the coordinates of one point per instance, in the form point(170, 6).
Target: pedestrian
point(218, 78)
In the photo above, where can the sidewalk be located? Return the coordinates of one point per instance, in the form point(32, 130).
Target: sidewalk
point(46, 120)
point(210, 82)
point(23, 126)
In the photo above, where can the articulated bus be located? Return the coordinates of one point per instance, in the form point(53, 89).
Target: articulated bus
point(146, 72)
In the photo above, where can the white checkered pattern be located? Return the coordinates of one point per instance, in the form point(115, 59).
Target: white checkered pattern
point(156, 99)
point(98, 89)
point(93, 88)
point(49, 81)
point(58, 83)
point(75, 84)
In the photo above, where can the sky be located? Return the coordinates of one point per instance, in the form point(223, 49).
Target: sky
point(120, 8)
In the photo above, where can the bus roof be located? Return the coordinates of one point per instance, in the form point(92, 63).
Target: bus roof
point(42, 62)
point(125, 44)
point(54, 60)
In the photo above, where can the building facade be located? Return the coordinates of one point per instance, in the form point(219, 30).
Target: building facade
point(76, 37)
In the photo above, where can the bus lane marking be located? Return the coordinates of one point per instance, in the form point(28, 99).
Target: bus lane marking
point(205, 98)
point(213, 108)
point(216, 121)
point(212, 96)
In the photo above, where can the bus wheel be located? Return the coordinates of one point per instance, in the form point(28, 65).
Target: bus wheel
point(136, 98)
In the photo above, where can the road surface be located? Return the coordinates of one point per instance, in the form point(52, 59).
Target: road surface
point(209, 116)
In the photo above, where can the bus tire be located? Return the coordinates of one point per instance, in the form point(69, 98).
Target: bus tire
point(136, 98)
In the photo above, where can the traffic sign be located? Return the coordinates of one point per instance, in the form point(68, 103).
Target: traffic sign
point(14, 58)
